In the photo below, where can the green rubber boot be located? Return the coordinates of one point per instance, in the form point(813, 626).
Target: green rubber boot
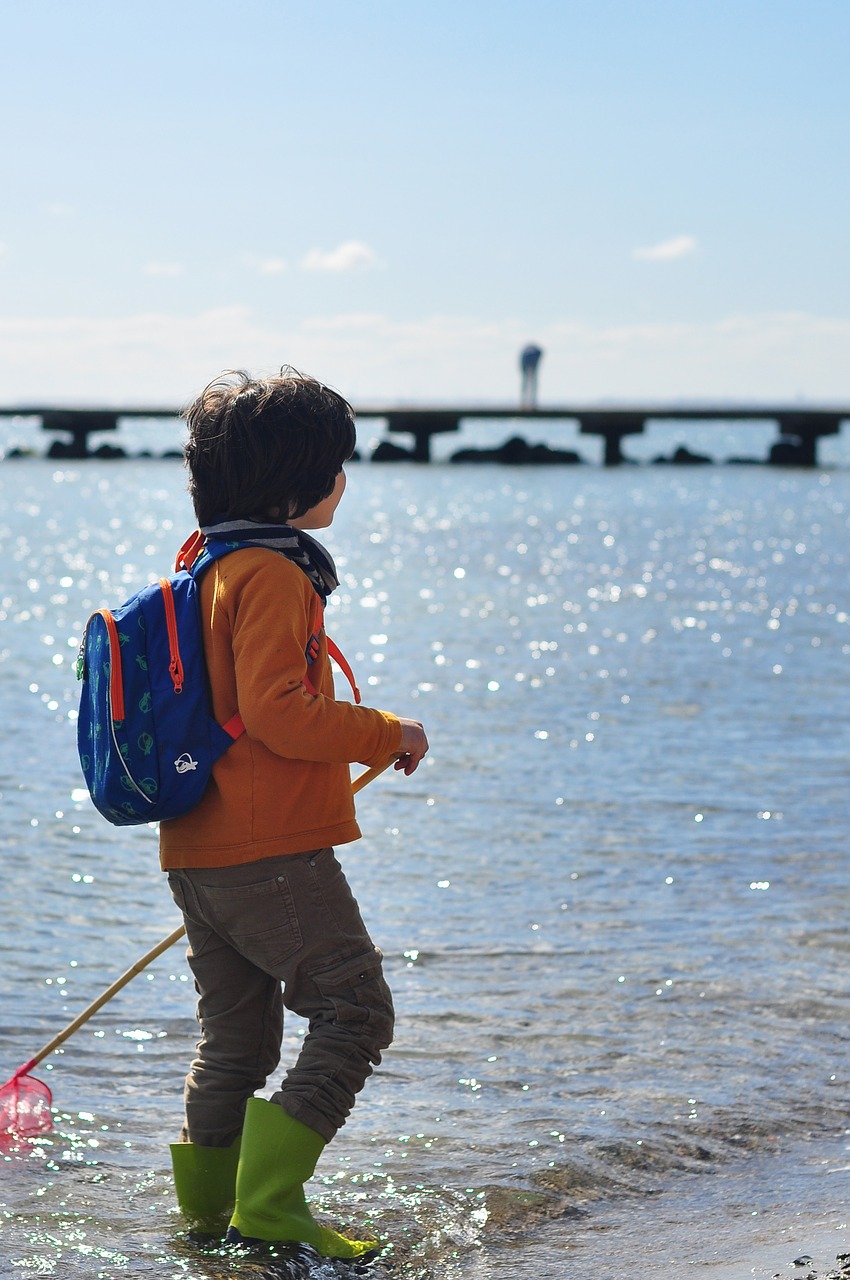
point(279, 1154)
point(205, 1182)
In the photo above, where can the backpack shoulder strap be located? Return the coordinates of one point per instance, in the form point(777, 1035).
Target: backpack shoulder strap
point(198, 553)
point(194, 556)
point(189, 552)
point(344, 666)
point(312, 652)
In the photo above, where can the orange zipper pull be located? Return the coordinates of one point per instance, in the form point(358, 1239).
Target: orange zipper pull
point(175, 665)
point(116, 680)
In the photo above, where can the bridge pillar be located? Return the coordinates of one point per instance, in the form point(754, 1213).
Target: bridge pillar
point(799, 435)
point(422, 424)
point(612, 427)
point(79, 424)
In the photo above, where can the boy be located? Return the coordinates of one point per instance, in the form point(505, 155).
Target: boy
point(251, 867)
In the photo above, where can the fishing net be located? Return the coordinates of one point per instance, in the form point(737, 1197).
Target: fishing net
point(25, 1103)
point(25, 1106)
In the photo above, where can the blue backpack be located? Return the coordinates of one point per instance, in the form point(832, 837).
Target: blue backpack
point(146, 736)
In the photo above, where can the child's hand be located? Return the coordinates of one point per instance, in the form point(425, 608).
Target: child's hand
point(413, 747)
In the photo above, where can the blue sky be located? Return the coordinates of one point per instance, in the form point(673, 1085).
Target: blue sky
point(397, 196)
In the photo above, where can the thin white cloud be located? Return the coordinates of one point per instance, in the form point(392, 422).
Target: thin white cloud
point(148, 358)
point(58, 209)
point(667, 250)
point(157, 358)
point(272, 266)
point(166, 269)
point(345, 257)
point(350, 321)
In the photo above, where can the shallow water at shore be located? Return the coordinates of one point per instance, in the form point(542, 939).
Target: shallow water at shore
point(613, 904)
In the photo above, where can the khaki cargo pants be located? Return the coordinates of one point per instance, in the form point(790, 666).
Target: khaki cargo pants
point(290, 920)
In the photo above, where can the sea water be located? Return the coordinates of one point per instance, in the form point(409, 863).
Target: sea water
point(613, 900)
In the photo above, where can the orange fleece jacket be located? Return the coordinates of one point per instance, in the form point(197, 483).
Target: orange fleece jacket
point(284, 786)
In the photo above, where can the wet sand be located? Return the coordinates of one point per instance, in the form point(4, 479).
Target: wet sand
point(805, 1251)
point(730, 1228)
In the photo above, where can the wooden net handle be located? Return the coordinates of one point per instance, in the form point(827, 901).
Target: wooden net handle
point(361, 781)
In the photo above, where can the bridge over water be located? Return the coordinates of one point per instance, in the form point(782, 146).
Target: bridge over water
point(798, 428)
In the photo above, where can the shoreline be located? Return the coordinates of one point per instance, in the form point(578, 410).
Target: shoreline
point(786, 1214)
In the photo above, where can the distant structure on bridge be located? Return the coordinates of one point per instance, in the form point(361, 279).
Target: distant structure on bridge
point(798, 429)
point(529, 362)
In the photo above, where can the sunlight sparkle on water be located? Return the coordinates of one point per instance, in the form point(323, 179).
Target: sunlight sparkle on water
point(659, 622)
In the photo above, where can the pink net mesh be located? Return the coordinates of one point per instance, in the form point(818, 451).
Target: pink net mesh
point(25, 1107)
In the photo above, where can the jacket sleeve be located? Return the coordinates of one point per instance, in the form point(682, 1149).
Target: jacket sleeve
point(269, 605)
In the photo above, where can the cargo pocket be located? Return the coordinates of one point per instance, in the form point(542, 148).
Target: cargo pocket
point(359, 996)
point(259, 920)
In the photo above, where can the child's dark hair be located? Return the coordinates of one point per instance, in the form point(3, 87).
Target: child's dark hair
point(258, 445)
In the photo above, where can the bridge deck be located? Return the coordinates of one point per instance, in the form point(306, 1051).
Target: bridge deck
point(612, 422)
